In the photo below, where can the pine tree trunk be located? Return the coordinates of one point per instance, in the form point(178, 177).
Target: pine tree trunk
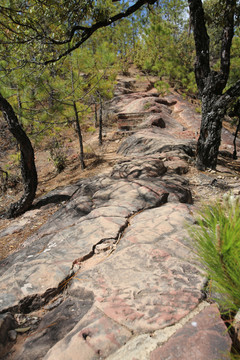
point(100, 141)
point(96, 114)
point(234, 140)
point(210, 83)
point(83, 166)
point(28, 169)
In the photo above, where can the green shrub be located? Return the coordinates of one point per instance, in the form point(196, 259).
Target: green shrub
point(216, 238)
point(57, 155)
point(15, 158)
point(91, 129)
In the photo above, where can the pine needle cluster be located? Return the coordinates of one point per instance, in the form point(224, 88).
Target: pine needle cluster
point(216, 239)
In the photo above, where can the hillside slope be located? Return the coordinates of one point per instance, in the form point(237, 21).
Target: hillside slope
point(105, 269)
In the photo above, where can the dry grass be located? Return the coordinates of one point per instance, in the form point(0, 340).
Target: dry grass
point(98, 160)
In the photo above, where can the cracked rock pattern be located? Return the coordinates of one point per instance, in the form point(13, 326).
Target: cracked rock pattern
point(117, 252)
point(71, 234)
point(198, 339)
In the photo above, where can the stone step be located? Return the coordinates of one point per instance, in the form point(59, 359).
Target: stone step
point(131, 121)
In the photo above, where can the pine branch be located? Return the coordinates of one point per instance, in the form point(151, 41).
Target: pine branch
point(89, 31)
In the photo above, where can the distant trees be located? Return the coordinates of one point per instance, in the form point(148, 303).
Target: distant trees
point(166, 48)
point(45, 85)
point(41, 33)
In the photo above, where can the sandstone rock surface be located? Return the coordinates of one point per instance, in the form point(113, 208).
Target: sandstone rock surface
point(112, 275)
point(204, 337)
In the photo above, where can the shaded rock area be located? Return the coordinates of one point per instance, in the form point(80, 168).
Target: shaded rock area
point(111, 274)
point(7, 323)
point(139, 168)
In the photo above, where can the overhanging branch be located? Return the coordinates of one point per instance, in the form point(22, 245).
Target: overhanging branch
point(87, 32)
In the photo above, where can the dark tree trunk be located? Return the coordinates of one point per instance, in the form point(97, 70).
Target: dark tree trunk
point(100, 141)
point(96, 114)
point(210, 83)
point(28, 169)
point(234, 140)
point(236, 112)
point(210, 134)
point(83, 166)
point(19, 106)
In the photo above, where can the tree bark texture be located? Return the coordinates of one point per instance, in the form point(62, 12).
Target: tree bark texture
point(100, 141)
point(236, 113)
point(211, 83)
point(234, 140)
point(210, 135)
point(81, 156)
point(28, 169)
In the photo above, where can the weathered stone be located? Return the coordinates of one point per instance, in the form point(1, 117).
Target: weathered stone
point(152, 141)
point(148, 282)
point(178, 189)
point(236, 329)
point(118, 247)
point(72, 233)
point(166, 102)
point(158, 122)
point(12, 335)
point(56, 324)
point(177, 166)
point(95, 337)
point(204, 337)
point(139, 168)
point(54, 304)
point(7, 323)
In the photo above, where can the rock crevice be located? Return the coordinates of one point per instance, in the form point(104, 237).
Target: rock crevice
point(144, 300)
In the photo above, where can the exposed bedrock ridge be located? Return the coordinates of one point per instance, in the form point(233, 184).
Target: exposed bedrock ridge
point(97, 211)
point(153, 141)
point(148, 282)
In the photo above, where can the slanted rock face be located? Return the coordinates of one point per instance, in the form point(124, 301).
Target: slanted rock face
point(7, 323)
point(99, 210)
point(57, 323)
point(204, 337)
point(112, 274)
point(152, 141)
point(139, 168)
point(158, 122)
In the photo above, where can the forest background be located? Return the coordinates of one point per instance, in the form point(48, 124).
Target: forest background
point(50, 91)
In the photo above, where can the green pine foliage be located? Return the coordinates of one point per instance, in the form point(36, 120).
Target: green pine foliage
point(166, 49)
point(43, 97)
point(235, 59)
point(217, 243)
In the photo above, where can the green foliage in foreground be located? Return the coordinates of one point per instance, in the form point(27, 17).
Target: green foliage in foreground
point(217, 243)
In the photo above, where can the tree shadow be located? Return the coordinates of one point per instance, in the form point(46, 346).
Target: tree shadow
point(53, 199)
